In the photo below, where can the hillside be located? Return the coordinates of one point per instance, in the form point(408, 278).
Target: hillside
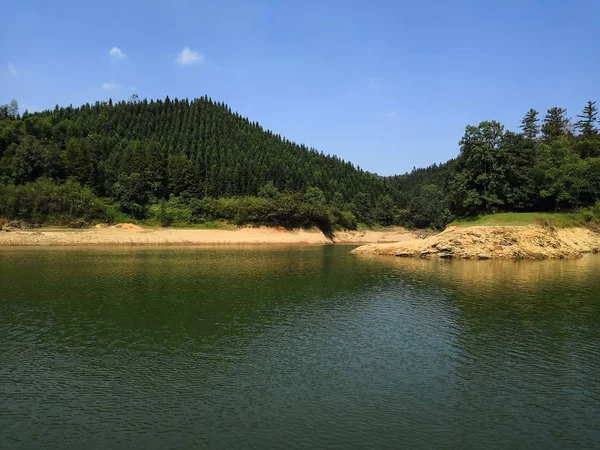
point(551, 165)
point(180, 162)
point(139, 153)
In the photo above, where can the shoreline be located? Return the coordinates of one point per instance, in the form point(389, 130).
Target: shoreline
point(134, 235)
point(494, 242)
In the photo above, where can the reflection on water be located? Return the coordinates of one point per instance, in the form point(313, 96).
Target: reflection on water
point(295, 347)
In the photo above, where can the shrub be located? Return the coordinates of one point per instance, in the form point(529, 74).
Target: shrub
point(43, 201)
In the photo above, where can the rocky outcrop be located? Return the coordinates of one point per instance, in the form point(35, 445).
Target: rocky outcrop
point(525, 242)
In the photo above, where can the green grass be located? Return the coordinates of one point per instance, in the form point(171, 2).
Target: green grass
point(510, 219)
point(583, 217)
point(211, 225)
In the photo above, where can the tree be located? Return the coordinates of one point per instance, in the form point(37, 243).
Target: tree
point(13, 109)
point(80, 163)
point(268, 190)
point(29, 161)
point(555, 123)
point(560, 173)
point(10, 111)
point(479, 184)
point(587, 120)
point(590, 192)
point(518, 161)
point(132, 191)
point(181, 175)
point(428, 208)
point(530, 124)
point(386, 212)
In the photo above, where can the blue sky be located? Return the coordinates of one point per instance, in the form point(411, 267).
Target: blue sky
point(388, 85)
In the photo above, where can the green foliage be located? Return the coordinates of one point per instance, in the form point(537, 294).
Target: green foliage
point(43, 201)
point(176, 162)
point(10, 111)
point(140, 152)
point(501, 171)
point(589, 216)
point(171, 212)
point(555, 124)
point(182, 176)
point(560, 173)
point(587, 120)
point(428, 208)
point(133, 193)
point(479, 183)
point(530, 124)
point(287, 210)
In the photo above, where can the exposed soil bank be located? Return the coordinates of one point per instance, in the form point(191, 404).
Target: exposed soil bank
point(130, 234)
point(495, 242)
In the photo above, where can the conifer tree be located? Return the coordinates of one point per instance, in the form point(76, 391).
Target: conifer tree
point(555, 123)
point(587, 120)
point(530, 124)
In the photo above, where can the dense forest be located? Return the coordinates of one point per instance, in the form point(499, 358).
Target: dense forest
point(552, 164)
point(178, 161)
point(185, 162)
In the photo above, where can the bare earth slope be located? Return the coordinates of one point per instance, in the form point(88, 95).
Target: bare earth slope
point(130, 234)
point(495, 242)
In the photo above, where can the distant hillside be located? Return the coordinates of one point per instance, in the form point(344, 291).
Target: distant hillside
point(141, 152)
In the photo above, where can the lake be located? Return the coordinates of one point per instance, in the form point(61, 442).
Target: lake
point(295, 347)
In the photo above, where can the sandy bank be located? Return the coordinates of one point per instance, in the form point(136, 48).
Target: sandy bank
point(490, 242)
point(130, 234)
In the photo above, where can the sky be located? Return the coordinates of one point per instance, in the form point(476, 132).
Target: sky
point(386, 84)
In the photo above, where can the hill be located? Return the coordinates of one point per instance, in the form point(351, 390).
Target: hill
point(198, 156)
point(189, 162)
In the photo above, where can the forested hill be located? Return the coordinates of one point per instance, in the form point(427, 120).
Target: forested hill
point(207, 149)
point(182, 162)
point(140, 152)
point(551, 164)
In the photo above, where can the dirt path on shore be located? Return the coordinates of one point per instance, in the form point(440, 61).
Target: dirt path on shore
point(131, 234)
point(495, 242)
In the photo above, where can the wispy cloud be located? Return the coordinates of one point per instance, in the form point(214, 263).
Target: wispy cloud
point(12, 69)
point(391, 114)
point(116, 53)
point(110, 86)
point(188, 57)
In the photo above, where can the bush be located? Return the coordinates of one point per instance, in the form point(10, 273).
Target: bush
point(43, 201)
point(171, 212)
point(285, 210)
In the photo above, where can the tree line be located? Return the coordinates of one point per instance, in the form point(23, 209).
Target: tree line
point(552, 164)
point(180, 161)
point(141, 153)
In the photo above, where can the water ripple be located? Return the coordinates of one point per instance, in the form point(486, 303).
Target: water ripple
point(295, 348)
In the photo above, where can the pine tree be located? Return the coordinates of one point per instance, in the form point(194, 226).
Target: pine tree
point(530, 124)
point(555, 123)
point(586, 124)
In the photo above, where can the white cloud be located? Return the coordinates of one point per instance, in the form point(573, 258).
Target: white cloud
point(117, 53)
point(391, 114)
point(109, 86)
point(188, 57)
point(12, 69)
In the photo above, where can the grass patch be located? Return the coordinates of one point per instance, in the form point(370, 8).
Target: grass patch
point(208, 225)
point(588, 217)
point(512, 219)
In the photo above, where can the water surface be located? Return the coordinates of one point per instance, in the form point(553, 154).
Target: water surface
point(302, 347)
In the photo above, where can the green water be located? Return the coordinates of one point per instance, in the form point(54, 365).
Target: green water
point(303, 347)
